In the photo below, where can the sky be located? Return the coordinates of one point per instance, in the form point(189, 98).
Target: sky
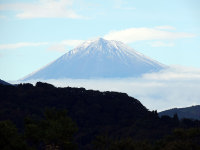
point(36, 32)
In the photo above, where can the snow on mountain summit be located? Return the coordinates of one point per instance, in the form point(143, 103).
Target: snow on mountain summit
point(98, 58)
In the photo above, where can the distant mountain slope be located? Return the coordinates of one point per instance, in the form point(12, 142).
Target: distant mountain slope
point(98, 58)
point(4, 82)
point(192, 112)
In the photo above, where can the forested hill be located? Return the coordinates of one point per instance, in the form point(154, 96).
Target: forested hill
point(192, 112)
point(96, 113)
point(87, 107)
point(4, 82)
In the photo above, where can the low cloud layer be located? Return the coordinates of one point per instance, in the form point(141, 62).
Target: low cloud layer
point(174, 87)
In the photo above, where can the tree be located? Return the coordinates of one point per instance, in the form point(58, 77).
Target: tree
point(10, 138)
point(181, 139)
point(54, 132)
point(107, 143)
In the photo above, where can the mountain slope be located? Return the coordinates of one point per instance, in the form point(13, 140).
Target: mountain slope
point(192, 112)
point(98, 59)
point(4, 82)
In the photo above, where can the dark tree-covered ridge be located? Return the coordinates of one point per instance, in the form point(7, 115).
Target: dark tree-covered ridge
point(4, 82)
point(96, 113)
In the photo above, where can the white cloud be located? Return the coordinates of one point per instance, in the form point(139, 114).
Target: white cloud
point(161, 44)
point(175, 73)
point(21, 44)
point(60, 46)
point(140, 34)
point(72, 43)
point(57, 47)
point(131, 35)
point(43, 9)
point(174, 87)
point(63, 45)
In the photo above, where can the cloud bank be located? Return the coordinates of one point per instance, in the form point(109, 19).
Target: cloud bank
point(173, 87)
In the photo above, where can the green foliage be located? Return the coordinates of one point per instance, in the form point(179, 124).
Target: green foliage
point(55, 130)
point(10, 138)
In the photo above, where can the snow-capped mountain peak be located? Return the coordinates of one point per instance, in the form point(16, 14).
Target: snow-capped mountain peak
point(98, 58)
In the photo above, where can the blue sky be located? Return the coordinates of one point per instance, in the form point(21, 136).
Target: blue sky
point(36, 32)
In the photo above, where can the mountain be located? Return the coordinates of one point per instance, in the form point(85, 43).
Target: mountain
point(98, 58)
point(192, 112)
point(4, 82)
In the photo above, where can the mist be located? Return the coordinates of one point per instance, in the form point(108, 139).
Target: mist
point(176, 86)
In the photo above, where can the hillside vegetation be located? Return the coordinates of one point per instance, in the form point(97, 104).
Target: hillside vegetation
point(99, 120)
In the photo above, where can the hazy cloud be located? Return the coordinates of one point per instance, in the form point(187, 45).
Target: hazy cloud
point(2, 17)
point(21, 44)
point(59, 46)
point(140, 34)
point(72, 43)
point(175, 73)
point(43, 9)
point(174, 87)
point(64, 45)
